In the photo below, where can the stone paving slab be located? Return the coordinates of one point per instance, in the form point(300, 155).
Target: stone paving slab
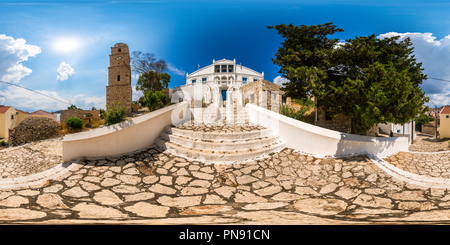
point(155, 187)
point(31, 158)
point(427, 143)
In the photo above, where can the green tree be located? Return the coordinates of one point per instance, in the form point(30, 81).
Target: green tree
point(115, 114)
point(369, 80)
point(73, 107)
point(421, 120)
point(155, 100)
point(153, 81)
point(302, 58)
point(102, 113)
point(374, 81)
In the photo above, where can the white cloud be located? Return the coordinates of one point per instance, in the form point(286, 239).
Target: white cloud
point(176, 71)
point(280, 80)
point(12, 53)
point(30, 101)
point(434, 54)
point(87, 102)
point(64, 71)
point(136, 94)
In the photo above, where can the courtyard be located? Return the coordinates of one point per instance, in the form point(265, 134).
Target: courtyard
point(153, 186)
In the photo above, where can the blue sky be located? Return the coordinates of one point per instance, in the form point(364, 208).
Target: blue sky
point(61, 48)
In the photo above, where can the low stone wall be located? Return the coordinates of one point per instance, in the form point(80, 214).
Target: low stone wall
point(66, 114)
point(339, 123)
point(429, 128)
point(32, 129)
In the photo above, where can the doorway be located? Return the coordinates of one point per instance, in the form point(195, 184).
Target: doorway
point(224, 95)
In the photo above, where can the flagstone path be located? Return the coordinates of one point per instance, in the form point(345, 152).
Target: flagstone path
point(155, 187)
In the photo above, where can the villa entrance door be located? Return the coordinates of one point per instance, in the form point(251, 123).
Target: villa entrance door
point(224, 95)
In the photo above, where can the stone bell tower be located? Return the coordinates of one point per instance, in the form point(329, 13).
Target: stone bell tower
point(119, 77)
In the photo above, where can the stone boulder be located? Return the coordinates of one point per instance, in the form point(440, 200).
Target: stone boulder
point(32, 129)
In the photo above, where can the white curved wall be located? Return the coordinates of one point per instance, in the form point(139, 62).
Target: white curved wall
point(128, 136)
point(322, 142)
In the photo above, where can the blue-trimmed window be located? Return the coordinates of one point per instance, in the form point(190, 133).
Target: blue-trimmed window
point(224, 68)
point(244, 79)
point(204, 79)
point(230, 68)
point(193, 81)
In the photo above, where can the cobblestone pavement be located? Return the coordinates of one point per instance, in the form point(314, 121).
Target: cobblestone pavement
point(427, 143)
point(30, 159)
point(154, 187)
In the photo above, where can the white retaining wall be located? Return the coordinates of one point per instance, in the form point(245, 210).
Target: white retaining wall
point(321, 142)
point(125, 137)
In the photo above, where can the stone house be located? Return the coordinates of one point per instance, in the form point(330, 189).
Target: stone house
point(10, 118)
point(263, 93)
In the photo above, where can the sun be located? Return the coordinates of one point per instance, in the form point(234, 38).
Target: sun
point(67, 44)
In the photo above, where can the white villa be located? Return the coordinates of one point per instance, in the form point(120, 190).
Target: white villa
point(222, 77)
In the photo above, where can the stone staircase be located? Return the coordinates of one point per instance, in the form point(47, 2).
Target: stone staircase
point(227, 139)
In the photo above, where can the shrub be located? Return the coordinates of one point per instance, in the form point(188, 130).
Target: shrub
point(115, 114)
point(3, 143)
point(102, 113)
point(155, 100)
point(74, 122)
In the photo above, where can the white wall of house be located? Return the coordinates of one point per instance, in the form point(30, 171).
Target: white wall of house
point(219, 77)
point(399, 130)
point(228, 70)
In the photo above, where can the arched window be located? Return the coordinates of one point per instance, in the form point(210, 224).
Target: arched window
point(120, 50)
point(118, 78)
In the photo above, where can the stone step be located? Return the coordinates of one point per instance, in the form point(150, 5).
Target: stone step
point(225, 157)
point(219, 144)
point(248, 135)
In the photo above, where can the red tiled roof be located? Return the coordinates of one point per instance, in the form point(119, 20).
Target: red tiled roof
point(21, 112)
point(445, 110)
point(40, 112)
point(3, 109)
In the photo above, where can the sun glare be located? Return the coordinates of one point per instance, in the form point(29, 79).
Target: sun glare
point(66, 44)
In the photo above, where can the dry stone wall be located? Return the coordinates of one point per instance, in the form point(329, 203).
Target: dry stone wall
point(340, 123)
point(66, 114)
point(32, 129)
